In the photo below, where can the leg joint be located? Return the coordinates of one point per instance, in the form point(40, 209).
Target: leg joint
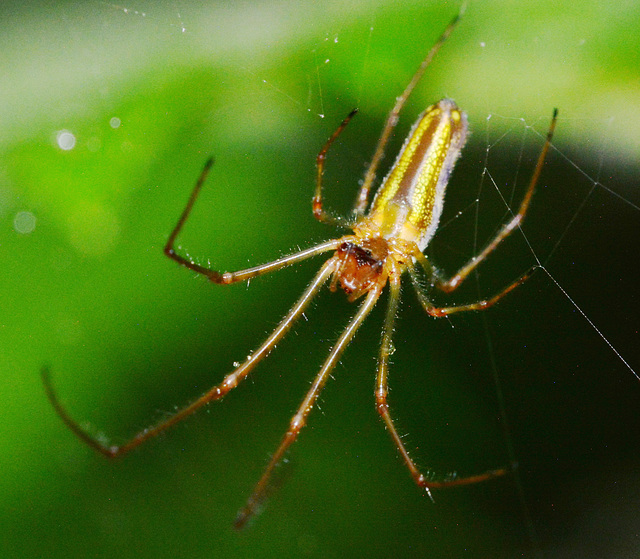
point(381, 403)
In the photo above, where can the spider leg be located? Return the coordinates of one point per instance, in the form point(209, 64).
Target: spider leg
point(318, 211)
point(299, 420)
point(217, 392)
point(453, 282)
point(363, 195)
point(438, 312)
point(241, 275)
point(382, 391)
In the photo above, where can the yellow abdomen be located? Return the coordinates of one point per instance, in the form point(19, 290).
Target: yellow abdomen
point(409, 202)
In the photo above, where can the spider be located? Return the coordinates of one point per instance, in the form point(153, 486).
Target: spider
point(385, 242)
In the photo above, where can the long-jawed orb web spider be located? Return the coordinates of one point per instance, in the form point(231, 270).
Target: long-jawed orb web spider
point(386, 242)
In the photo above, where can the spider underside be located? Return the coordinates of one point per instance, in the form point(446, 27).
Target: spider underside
point(386, 242)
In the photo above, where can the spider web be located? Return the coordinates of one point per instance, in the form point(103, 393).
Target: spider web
point(581, 194)
point(580, 234)
point(560, 349)
point(561, 245)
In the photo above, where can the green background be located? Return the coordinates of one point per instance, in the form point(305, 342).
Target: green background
point(129, 335)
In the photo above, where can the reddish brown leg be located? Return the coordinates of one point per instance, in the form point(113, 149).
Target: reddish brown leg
point(318, 211)
point(392, 119)
point(241, 275)
point(453, 282)
point(299, 420)
point(363, 195)
point(229, 382)
point(382, 390)
point(438, 312)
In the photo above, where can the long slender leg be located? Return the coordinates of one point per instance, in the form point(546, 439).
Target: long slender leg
point(382, 390)
point(229, 382)
point(241, 275)
point(318, 211)
point(299, 420)
point(432, 310)
point(450, 284)
point(392, 119)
